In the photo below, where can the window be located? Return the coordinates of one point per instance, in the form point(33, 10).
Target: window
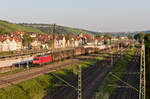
point(36, 59)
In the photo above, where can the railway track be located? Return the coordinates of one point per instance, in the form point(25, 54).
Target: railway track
point(89, 75)
point(131, 78)
point(28, 74)
point(33, 72)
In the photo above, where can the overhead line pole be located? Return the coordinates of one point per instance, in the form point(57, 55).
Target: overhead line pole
point(142, 93)
point(80, 82)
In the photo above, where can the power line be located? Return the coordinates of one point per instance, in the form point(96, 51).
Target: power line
point(64, 81)
point(124, 82)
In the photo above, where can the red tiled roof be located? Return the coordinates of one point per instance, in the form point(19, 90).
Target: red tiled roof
point(3, 38)
point(89, 37)
point(77, 38)
point(44, 38)
point(18, 32)
point(101, 38)
point(10, 38)
point(15, 37)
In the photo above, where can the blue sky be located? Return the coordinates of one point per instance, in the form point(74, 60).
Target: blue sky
point(96, 15)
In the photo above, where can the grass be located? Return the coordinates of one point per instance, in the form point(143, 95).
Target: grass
point(147, 60)
point(6, 53)
point(13, 27)
point(16, 52)
point(12, 72)
point(105, 90)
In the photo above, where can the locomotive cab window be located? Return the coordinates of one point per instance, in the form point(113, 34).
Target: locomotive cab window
point(36, 59)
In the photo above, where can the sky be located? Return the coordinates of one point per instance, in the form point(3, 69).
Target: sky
point(95, 15)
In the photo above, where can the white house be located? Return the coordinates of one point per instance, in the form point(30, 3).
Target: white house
point(0, 46)
point(5, 45)
point(10, 43)
point(36, 44)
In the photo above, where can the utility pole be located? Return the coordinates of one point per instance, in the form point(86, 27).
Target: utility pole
point(53, 38)
point(142, 93)
point(111, 59)
point(118, 45)
point(27, 59)
point(79, 82)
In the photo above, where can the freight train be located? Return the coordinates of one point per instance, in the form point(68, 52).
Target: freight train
point(57, 56)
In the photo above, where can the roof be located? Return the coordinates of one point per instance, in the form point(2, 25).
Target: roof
point(17, 38)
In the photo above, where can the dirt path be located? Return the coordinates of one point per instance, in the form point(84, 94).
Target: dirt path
point(132, 79)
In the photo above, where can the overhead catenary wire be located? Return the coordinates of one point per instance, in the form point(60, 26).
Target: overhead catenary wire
point(124, 82)
point(64, 81)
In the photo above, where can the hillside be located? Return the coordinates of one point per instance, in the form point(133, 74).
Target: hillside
point(7, 27)
point(46, 28)
point(10, 27)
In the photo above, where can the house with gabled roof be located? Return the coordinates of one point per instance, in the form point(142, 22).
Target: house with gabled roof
point(10, 43)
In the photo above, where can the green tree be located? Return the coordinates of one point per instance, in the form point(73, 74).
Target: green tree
point(130, 37)
point(139, 36)
point(98, 35)
point(50, 43)
point(67, 37)
point(105, 42)
point(147, 40)
point(142, 34)
point(109, 37)
point(27, 40)
point(118, 36)
point(4, 31)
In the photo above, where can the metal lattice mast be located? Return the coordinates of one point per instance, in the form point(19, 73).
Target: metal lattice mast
point(53, 46)
point(111, 59)
point(142, 74)
point(79, 82)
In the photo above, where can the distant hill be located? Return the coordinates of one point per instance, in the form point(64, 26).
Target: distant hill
point(47, 28)
point(147, 32)
point(10, 27)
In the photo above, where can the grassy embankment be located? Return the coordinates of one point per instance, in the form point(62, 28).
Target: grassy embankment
point(37, 87)
point(9, 53)
point(147, 56)
point(13, 71)
point(105, 91)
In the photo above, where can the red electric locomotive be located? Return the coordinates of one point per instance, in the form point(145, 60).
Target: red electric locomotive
point(42, 59)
